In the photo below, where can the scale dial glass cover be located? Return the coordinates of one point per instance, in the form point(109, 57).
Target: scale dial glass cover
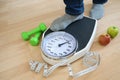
point(57, 45)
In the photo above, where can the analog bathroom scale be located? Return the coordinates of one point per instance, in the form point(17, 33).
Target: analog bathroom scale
point(69, 44)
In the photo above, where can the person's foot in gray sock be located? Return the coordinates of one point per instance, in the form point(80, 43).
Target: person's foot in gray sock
point(97, 11)
point(62, 22)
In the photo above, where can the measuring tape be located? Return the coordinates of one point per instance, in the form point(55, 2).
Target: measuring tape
point(90, 59)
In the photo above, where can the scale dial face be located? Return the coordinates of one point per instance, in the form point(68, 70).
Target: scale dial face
point(58, 45)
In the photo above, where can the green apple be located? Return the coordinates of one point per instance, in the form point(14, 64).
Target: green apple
point(113, 31)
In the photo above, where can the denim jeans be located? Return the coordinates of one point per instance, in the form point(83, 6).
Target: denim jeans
point(76, 7)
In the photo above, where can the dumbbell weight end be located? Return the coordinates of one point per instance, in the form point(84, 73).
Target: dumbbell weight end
point(34, 41)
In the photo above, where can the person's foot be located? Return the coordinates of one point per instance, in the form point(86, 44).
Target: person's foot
point(62, 22)
point(97, 11)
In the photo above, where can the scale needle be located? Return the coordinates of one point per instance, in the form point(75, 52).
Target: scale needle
point(63, 43)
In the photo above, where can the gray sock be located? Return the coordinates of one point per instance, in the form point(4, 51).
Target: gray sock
point(62, 22)
point(97, 11)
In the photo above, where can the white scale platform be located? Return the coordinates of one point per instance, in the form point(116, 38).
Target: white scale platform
point(83, 31)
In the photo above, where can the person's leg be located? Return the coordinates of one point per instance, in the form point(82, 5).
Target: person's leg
point(74, 10)
point(97, 11)
point(74, 7)
point(99, 1)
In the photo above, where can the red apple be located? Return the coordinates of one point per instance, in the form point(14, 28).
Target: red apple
point(104, 39)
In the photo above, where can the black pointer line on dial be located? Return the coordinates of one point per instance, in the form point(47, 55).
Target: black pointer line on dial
point(59, 45)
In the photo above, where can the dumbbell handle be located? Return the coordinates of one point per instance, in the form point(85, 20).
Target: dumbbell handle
point(37, 35)
point(26, 35)
point(41, 27)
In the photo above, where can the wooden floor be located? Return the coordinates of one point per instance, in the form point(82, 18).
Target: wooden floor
point(17, 16)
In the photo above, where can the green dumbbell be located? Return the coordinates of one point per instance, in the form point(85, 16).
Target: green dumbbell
point(34, 41)
point(26, 35)
point(43, 27)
